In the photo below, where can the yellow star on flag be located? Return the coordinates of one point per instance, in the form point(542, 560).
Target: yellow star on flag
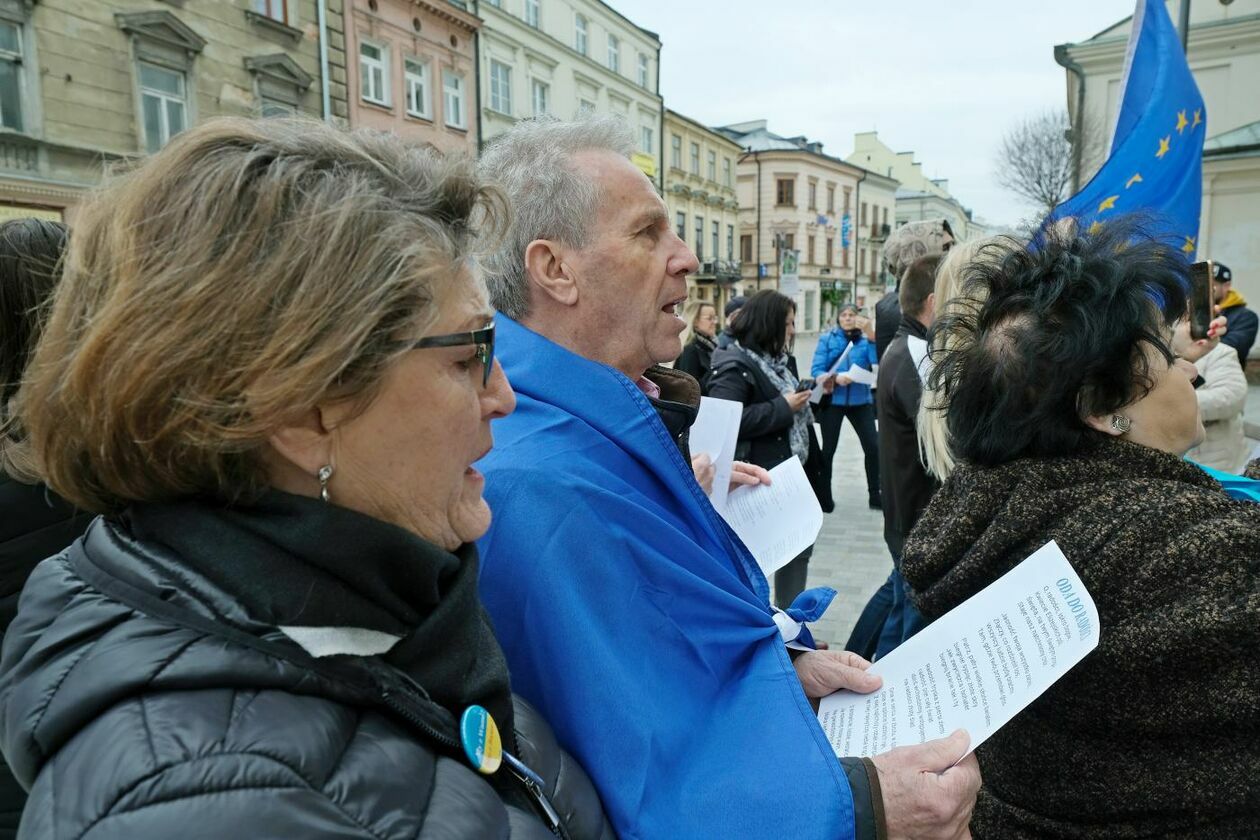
point(1094, 228)
point(1163, 146)
point(1189, 246)
point(1136, 179)
point(1198, 117)
point(1182, 122)
point(1107, 203)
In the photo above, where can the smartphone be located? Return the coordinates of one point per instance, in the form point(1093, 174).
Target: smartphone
point(805, 385)
point(1201, 302)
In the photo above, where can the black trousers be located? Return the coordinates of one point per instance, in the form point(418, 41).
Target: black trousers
point(863, 419)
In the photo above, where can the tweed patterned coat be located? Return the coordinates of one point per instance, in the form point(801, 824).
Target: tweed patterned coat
point(1157, 732)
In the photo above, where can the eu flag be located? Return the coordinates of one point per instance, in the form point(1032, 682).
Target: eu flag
point(1156, 161)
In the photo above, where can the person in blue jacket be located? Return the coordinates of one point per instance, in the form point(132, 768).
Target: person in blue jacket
point(846, 398)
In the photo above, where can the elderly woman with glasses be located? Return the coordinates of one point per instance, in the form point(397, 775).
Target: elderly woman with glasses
point(1068, 407)
point(269, 366)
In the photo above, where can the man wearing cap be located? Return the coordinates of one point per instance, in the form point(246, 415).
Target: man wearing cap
point(1242, 323)
point(725, 339)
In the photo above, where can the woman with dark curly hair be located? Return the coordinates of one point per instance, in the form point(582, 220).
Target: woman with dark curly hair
point(1068, 412)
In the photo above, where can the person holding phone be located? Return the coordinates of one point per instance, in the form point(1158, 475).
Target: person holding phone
point(840, 352)
point(777, 424)
point(1082, 441)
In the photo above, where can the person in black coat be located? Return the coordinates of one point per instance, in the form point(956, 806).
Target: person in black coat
point(34, 522)
point(777, 424)
point(270, 370)
point(698, 342)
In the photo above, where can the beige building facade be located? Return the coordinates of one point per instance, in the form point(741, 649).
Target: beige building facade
point(565, 57)
point(414, 70)
point(86, 82)
point(1224, 55)
point(794, 197)
point(699, 183)
point(918, 196)
point(874, 215)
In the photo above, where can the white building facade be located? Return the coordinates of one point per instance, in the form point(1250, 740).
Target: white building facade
point(564, 57)
point(794, 197)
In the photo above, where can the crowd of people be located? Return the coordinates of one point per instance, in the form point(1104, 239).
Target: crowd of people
point(348, 490)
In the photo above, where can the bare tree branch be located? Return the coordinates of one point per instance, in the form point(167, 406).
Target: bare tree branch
point(1035, 159)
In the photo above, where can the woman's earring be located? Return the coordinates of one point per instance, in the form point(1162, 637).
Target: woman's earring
point(325, 473)
point(1121, 423)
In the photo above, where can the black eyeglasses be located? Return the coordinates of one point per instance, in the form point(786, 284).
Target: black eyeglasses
point(482, 338)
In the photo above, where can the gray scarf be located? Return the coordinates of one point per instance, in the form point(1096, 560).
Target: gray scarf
point(776, 370)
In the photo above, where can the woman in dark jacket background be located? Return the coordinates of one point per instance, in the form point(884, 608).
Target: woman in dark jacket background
point(699, 342)
point(1068, 408)
point(777, 424)
point(269, 365)
point(34, 521)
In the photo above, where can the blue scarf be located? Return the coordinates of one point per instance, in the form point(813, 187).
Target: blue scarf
point(636, 621)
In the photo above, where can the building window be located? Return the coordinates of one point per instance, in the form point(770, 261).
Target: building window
point(885, 215)
point(861, 260)
point(500, 87)
point(785, 192)
point(542, 97)
point(730, 242)
point(848, 195)
point(844, 257)
point(614, 54)
point(831, 244)
point(675, 151)
point(695, 158)
point(726, 171)
point(11, 76)
point(374, 73)
point(699, 240)
point(831, 199)
point(813, 196)
point(862, 221)
point(275, 108)
point(712, 165)
point(453, 99)
point(745, 247)
point(680, 225)
point(716, 242)
point(585, 106)
point(643, 70)
point(533, 13)
point(647, 139)
point(579, 34)
point(810, 252)
point(163, 103)
point(416, 77)
point(274, 9)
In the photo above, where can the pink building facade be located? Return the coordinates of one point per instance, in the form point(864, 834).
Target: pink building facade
point(411, 69)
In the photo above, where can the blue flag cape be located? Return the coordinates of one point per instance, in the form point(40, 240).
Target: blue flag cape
point(635, 619)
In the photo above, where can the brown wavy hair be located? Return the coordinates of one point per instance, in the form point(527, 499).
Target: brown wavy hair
point(248, 272)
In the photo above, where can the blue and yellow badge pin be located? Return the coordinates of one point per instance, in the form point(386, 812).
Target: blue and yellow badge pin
point(480, 736)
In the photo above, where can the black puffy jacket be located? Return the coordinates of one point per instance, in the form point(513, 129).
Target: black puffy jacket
point(138, 699)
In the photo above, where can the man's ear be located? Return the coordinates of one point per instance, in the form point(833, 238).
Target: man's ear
point(544, 265)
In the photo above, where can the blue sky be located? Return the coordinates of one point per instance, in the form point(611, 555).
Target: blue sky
point(944, 79)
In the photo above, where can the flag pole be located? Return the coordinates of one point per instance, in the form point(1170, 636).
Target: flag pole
point(1185, 26)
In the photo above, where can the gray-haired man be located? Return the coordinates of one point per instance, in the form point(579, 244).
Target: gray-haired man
point(629, 613)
